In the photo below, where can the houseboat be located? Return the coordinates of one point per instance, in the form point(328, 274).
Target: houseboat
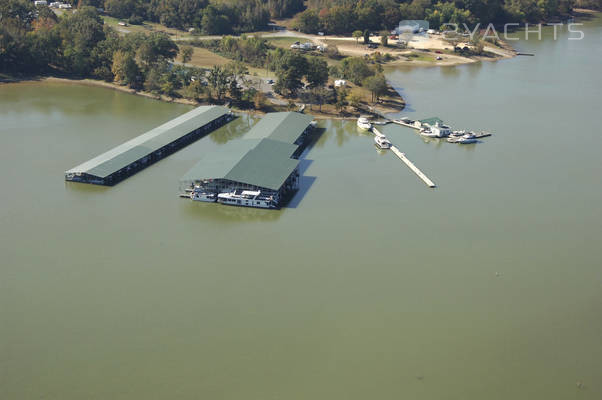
point(247, 198)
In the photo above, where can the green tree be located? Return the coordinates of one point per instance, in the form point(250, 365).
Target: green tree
point(341, 100)
point(218, 81)
point(366, 36)
point(186, 54)
point(195, 91)
point(357, 35)
point(354, 99)
point(317, 72)
point(290, 70)
point(308, 21)
point(125, 68)
point(79, 34)
point(355, 69)
point(377, 85)
point(384, 38)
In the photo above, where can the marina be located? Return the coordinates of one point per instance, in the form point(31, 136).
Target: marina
point(435, 128)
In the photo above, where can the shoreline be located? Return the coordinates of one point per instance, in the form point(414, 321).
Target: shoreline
point(395, 103)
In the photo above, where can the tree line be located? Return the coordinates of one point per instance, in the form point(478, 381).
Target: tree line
point(206, 16)
point(346, 16)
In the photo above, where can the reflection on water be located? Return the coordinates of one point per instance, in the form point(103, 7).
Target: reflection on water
point(232, 131)
point(201, 211)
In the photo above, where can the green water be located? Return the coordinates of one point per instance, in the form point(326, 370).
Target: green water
point(370, 286)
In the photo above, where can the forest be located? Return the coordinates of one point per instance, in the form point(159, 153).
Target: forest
point(207, 16)
point(345, 16)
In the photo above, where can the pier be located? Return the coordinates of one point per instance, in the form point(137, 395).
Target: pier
point(407, 162)
point(413, 167)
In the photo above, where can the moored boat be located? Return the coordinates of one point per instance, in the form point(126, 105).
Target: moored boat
point(364, 123)
point(467, 139)
point(246, 198)
point(198, 195)
point(382, 142)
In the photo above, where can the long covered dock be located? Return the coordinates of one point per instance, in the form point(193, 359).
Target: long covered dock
point(136, 154)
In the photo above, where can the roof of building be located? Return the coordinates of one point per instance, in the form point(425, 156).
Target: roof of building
point(282, 126)
point(220, 160)
point(132, 150)
point(431, 121)
point(265, 163)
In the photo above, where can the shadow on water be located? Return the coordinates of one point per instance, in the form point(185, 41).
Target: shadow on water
point(86, 188)
point(305, 183)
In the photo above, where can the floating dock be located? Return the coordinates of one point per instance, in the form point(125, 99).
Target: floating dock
point(134, 155)
point(407, 162)
point(413, 167)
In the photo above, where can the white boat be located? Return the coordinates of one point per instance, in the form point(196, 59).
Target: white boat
point(467, 139)
point(246, 198)
point(199, 195)
point(382, 142)
point(364, 123)
point(458, 133)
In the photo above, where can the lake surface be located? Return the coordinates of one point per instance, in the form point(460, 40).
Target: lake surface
point(369, 286)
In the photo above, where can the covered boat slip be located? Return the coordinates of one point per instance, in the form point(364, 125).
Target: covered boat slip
point(134, 155)
point(250, 164)
point(287, 127)
point(264, 160)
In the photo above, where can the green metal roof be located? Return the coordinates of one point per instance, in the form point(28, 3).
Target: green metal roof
point(265, 163)
point(282, 126)
point(432, 121)
point(218, 162)
point(132, 150)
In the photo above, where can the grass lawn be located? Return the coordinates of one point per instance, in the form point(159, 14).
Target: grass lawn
point(146, 26)
point(206, 59)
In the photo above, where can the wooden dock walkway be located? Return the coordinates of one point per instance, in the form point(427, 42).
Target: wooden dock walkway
point(407, 162)
point(398, 122)
point(413, 167)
